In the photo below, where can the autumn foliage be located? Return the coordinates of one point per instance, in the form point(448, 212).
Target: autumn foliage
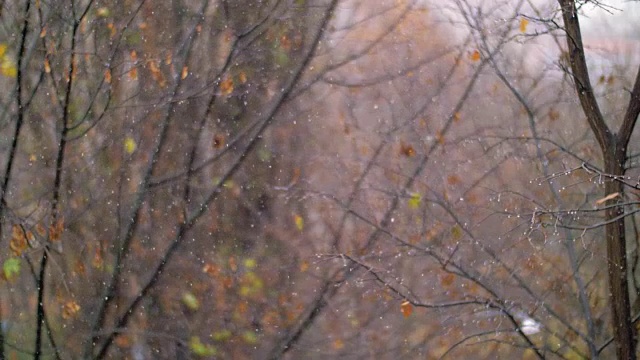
point(311, 179)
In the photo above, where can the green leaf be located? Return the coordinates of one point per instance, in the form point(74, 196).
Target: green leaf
point(190, 301)
point(11, 268)
point(264, 154)
point(281, 57)
point(250, 337)
point(222, 335)
point(200, 349)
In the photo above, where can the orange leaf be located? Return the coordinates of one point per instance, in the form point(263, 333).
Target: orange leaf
point(242, 77)
point(406, 308)
point(112, 29)
point(226, 86)
point(18, 243)
point(523, 25)
point(107, 76)
point(123, 341)
point(156, 73)
point(475, 55)
point(304, 266)
point(338, 344)
point(233, 265)
point(211, 270)
point(407, 150)
point(55, 230)
point(41, 230)
point(79, 267)
point(133, 74)
point(70, 309)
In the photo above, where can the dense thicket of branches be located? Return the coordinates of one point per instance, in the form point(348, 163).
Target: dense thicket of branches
point(315, 179)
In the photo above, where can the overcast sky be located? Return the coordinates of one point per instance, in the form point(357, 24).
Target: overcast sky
point(620, 19)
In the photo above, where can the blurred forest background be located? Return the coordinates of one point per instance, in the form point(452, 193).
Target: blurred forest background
point(317, 179)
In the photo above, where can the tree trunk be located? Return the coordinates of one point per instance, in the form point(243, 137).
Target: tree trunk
point(616, 258)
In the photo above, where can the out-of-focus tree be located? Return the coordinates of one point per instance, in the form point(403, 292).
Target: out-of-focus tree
point(133, 147)
point(313, 179)
point(476, 191)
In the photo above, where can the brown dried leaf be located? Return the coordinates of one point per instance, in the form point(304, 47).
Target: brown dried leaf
point(18, 243)
point(406, 308)
point(407, 150)
point(70, 309)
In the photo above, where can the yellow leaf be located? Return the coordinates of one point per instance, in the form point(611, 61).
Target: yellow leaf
point(414, 201)
point(250, 263)
point(523, 25)
point(103, 12)
point(3, 49)
point(185, 72)
point(8, 68)
point(406, 308)
point(299, 221)
point(129, 145)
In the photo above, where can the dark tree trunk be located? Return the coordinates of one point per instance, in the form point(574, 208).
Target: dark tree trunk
point(616, 258)
point(614, 151)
